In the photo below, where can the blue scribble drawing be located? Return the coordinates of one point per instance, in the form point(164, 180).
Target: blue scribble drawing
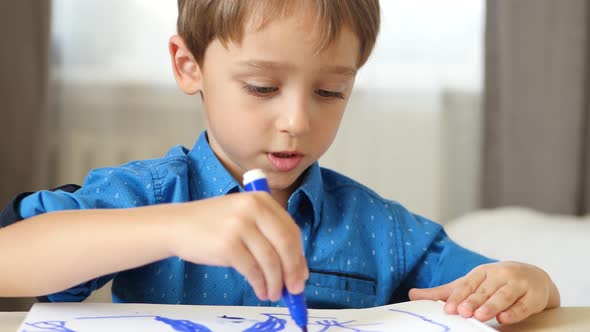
point(117, 317)
point(52, 325)
point(272, 324)
point(183, 325)
point(327, 324)
point(180, 325)
point(277, 324)
point(426, 319)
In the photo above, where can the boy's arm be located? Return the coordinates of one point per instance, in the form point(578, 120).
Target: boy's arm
point(58, 250)
point(100, 187)
point(11, 214)
point(248, 231)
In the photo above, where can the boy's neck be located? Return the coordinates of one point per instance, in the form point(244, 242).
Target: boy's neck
point(282, 197)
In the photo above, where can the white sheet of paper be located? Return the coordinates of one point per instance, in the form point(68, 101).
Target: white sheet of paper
point(423, 316)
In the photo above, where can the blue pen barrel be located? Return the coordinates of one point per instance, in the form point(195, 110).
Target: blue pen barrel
point(255, 180)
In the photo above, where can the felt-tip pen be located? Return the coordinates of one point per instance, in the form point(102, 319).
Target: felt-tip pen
point(255, 180)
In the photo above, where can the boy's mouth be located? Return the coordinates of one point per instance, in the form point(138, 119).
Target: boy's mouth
point(284, 161)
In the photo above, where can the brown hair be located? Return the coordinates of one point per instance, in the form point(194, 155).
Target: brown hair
point(202, 21)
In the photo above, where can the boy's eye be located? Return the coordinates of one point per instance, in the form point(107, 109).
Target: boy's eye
point(329, 94)
point(265, 91)
point(260, 91)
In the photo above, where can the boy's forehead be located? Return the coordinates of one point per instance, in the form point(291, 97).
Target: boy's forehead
point(318, 32)
point(299, 30)
point(287, 44)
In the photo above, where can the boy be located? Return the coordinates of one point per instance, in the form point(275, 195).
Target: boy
point(274, 78)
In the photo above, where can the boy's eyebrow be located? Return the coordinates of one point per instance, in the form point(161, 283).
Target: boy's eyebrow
point(341, 70)
point(263, 65)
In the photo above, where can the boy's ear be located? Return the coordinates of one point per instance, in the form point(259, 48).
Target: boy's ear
point(184, 66)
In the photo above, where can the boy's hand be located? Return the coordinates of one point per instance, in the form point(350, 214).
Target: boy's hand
point(509, 291)
point(250, 232)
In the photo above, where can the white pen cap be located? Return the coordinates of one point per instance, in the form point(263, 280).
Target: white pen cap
point(253, 175)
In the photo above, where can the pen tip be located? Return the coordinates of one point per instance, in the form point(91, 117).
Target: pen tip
point(304, 329)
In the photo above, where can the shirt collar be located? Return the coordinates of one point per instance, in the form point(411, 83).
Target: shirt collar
point(312, 188)
point(208, 176)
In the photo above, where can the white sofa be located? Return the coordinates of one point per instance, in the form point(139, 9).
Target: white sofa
point(559, 244)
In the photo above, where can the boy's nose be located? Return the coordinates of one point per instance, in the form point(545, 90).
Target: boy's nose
point(294, 118)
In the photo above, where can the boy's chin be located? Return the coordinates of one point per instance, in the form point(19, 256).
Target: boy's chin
point(285, 180)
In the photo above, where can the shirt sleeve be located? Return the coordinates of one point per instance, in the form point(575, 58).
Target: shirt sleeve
point(432, 258)
point(103, 188)
point(445, 261)
point(11, 212)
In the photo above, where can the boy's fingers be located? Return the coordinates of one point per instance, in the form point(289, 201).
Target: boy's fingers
point(285, 238)
point(435, 293)
point(295, 271)
point(464, 287)
point(479, 297)
point(268, 260)
point(517, 312)
point(474, 301)
point(501, 300)
point(246, 265)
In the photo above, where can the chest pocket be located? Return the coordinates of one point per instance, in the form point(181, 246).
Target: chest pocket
point(335, 290)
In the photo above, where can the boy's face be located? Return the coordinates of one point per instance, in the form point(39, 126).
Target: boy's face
point(272, 102)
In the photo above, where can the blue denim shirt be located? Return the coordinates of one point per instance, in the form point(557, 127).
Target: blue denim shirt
point(362, 250)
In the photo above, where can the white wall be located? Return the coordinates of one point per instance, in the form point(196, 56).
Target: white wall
point(391, 144)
